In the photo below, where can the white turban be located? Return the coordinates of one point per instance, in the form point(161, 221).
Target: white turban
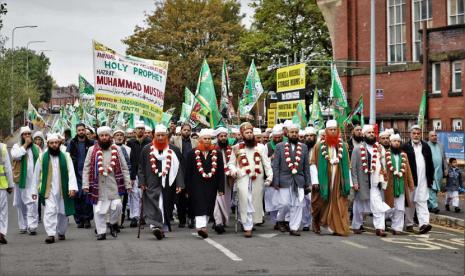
point(140, 124)
point(387, 132)
point(38, 134)
point(104, 130)
point(287, 124)
point(415, 127)
point(331, 123)
point(268, 129)
point(51, 137)
point(206, 132)
point(367, 128)
point(220, 130)
point(257, 131)
point(118, 131)
point(24, 129)
point(310, 131)
point(147, 128)
point(235, 131)
point(395, 137)
point(321, 132)
point(293, 126)
point(277, 130)
point(301, 132)
point(129, 130)
point(159, 129)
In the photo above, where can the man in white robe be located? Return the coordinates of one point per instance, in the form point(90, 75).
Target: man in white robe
point(310, 141)
point(6, 187)
point(47, 181)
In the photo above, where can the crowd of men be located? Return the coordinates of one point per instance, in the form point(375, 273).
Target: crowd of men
point(300, 180)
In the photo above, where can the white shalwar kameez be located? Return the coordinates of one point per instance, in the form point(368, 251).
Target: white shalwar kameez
point(397, 212)
point(5, 160)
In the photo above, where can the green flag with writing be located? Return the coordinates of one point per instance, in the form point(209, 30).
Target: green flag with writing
point(316, 117)
point(86, 90)
point(205, 95)
point(253, 89)
point(339, 104)
point(299, 118)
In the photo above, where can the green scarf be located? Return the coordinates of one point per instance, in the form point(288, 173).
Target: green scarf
point(273, 145)
point(323, 177)
point(46, 181)
point(23, 175)
point(398, 181)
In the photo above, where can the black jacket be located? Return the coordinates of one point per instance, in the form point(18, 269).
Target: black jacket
point(136, 149)
point(429, 167)
point(73, 150)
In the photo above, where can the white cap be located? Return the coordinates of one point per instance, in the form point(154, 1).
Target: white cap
point(268, 129)
point(277, 130)
point(235, 130)
point(395, 137)
point(140, 124)
point(147, 128)
point(53, 137)
point(178, 130)
point(24, 129)
point(206, 132)
point(160, 129)
point(220, 130)
point(387, 132)
point(367, 128)
point(38, 134)
point(104, 130)
point(415, 127)
point(310, 131)
point(301, 132)
point(292, 126)
point(118, 131)
point(321, 132)
point(257, 131)
point(331, 123)
point(129, 130)
point(287, 124)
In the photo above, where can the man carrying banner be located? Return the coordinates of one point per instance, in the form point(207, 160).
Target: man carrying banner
point(160, 178)
point(331, 183)
point(105, 178)
point(55, 180)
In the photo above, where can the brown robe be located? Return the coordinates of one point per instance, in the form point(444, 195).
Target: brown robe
point(333, 213)
point(408, 186)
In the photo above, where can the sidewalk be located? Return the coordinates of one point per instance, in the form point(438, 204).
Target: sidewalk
point(449, 218)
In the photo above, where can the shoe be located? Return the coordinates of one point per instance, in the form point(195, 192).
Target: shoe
point(435, 210)
point(276, 226)
point(133, 223)
point(357, 231)
point(114, 230)
point(380, 233)
point(447, 207)
point(22, 231)
point(182, 225)
point(294, 233)
point(316, 228)
point(219, 229)
point(425, 228)
point(101, 237)
point(282, 226)
point(248, 233)
point(203, 233)
point(87, 224)
point(409, 229)
point(306, 229)
point(61, 237)
point(191, 223)
point(457, 209)
point(398, 233)
point(158, 233)
point(50, 239)
point(80, 224)
point(32, 232)
point(2, 239)
point(286, 224)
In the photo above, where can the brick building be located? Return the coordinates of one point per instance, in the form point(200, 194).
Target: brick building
point(64, 95)
point(400, 74)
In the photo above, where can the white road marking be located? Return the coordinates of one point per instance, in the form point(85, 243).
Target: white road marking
point(354, 244)
point(403, 261)
point(221, 248)
point(444, 233)
point(267, 236)
point(437, 244)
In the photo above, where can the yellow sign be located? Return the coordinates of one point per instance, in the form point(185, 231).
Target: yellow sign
point(290, 78)
point(273, 105)
point(287, 109)
point(271, 117)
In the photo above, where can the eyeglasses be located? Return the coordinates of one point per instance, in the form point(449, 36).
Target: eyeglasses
point(27, 134)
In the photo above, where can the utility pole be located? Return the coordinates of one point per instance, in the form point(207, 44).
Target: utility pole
point(372, 65)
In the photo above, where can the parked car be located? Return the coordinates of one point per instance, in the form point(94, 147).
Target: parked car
point(55, 109)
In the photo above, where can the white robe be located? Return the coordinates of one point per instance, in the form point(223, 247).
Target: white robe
point(24, 195)
point(3, 193)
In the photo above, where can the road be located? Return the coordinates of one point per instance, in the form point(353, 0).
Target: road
point(441, 252)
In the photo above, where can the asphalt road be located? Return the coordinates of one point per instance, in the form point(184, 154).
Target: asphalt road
point(441, 252)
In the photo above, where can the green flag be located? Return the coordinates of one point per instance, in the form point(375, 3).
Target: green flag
point(33, 116)
point(422, 111)
point(74, 122)
point(185, 112)
point(340, 106)
point(253, 89)
point(188, 97)
point(299, 118)
point(316, 117)
point(102, 117)
point(149, 122)
point(86, 90)
point(357, 113)
point(206, 96)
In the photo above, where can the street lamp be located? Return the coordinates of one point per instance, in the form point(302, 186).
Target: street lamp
point(27, 59)
point(12, 126)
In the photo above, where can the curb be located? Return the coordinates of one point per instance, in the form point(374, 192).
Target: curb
point(447, 221)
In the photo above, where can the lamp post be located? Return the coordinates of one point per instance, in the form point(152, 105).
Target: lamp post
point(12, 126)
point(27, 59)
point(373, 65)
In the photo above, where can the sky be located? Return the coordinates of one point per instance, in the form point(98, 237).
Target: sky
point(68, 27)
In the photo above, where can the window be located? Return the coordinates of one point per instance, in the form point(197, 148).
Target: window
point(457, 77)
point(396, 31)
point(456, 10)
point(436, 85)
point(422, 11)
point(437, 124)
point(457, 124)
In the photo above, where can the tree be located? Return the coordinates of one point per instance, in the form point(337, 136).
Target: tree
point(184, 32)
point(284, 28)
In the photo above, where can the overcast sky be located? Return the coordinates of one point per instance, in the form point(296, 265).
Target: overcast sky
point(68, 27)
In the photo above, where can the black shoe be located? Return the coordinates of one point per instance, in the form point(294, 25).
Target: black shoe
point(288, 229)
point(101, 237)
point(435, 210)
point(158, 233)
point(32, 232)
point(457, 209)
point(191, 223)
point(61, 237)
point(203, 233)
point(80, 224)
point(219, 229)
point(425, 228)
point(409, 229)
point(87, 224)
point(50, 239)
point(294, 233)
point(2, 239)
point(282, 226)
point(447, 207)
point(133, 223)
point(306, 229)
point(276, 226)
point(114, 230)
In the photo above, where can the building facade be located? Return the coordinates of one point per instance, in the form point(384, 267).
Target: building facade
point(403, 72)
point(64, 95)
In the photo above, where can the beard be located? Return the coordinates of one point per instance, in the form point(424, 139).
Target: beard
point(250, 143)
point(395, 150)
point(222, 144)
point(370, 141)
point(54, 152)
point(388, 146)
point(310, 144)
point(332, 139)
point(205, 147)
point(293, 140)
point(160, 145)
point(358, 139)
point(105, 145)
point(82, 136)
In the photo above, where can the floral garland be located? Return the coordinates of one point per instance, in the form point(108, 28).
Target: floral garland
point(114, 156)
point(363, 155)
point(292, 165)
point(153, 162)
point(324, 151)
point(244, 162)
point(403, 165)
point(228, 156)
point(200, 166)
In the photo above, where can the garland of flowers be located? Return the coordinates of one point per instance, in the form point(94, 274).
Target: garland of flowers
point(403, 165)
point(363, 155)
point(325, 154)
point(114, 156)
point(200, 166)
point(153, 162)
point(292, 165)
point(244, 162)
point(228, 156)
